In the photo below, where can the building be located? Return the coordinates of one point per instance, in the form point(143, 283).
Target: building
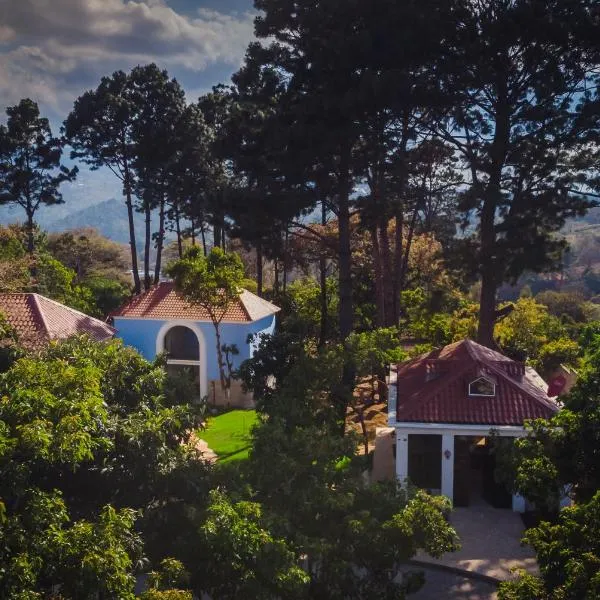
point(161, 321)
point(443, 407)
point(38, 320)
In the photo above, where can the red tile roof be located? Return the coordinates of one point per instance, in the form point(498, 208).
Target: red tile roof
point(434, 388)
point(38, 319)
point(163, 302)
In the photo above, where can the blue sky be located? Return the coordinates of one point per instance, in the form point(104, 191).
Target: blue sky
point(53, 50)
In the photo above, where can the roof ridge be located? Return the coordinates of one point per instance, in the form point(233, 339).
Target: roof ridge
point(516, 383)
point(70, 309)
point(40, 312)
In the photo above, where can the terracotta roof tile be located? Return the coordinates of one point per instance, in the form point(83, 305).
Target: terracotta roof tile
point(38, 319)
point(434, 388)
point(163, 302)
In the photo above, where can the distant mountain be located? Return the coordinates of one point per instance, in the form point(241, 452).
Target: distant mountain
point(108, 217)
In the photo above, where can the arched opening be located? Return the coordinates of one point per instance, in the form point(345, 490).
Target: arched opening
point(184, 349)
point(181, 343)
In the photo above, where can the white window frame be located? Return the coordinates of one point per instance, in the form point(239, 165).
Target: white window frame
point(492, 383)
point(201, 363)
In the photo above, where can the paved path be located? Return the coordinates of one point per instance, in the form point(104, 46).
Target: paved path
point(207, 453)
point(491, 543)
point(440, 585)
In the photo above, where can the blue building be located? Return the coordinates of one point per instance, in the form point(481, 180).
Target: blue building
point(160, 320)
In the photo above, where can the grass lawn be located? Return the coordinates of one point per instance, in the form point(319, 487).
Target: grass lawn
point(229, 434)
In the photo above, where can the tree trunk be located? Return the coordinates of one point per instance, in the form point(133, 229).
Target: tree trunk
point(346, 312)
point(398, 261)
point(202, 234)
point(148, 239)
point(160, 240)
point(276, 280)
point(220, 361)
point(343, 395)
point(379, 278)
point(30, 226)
point(259, 269)
point(406, 253)
point(178, 229)
point(323, 283)
point(285, 258)
point(390, 313)
point(134, 261)
point(490, 263)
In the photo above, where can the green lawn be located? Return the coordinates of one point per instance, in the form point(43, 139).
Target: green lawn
point(229, 434)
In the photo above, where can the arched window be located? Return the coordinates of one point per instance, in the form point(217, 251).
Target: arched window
point(482, 387)
point(181, 343)
point(183, 350)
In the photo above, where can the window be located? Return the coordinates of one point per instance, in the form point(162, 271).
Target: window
point(181, 343)
point(482, 387)
point(182, 347)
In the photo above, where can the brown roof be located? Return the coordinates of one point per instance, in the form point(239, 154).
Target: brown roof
point(37, 319)
point(164, 302)
point(434, 388)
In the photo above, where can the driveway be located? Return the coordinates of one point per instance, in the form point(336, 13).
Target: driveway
point(448, 586)
point(491, 543)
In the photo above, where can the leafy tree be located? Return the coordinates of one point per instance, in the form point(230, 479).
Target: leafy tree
point(15, 263)
point(30, 169)
point(212, 282)
point(100, 129)
point(246, 560)
point(559, 454)
point(160, 104)
point(568, 553)
point(90, 254)
point(513, 124)
point(353, 537)
point(527, 329)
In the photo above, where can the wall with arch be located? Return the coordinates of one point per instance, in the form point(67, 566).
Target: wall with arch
point(145, 334)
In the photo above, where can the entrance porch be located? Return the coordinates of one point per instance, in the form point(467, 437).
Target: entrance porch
point(455, 461)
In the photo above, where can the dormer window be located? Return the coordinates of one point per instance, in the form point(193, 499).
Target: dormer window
point(482, 387)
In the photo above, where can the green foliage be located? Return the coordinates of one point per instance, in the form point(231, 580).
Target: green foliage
point(161, 583)
point(566, 305)
point(526, 329)
point(212, 282)
point(568, 553)
point(558, 454)
point(305, 297)
point(91, 422)
point(30, 168)
point(372, 352)
point(247, 560)
point(56, 281)
point(556, 352)
point(353, 536)
point(43, 548)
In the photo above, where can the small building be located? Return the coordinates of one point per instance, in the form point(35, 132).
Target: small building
point(445, 404)
point(38, 320)
point(161, 321)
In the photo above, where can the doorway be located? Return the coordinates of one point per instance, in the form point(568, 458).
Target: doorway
point(474, 474)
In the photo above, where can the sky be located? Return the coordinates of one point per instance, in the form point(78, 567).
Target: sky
point(53, 50)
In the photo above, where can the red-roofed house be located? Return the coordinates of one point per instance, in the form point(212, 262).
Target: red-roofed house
point(443, 406)
point(37, 320)
point(160, 320)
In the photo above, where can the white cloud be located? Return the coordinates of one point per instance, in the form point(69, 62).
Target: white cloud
point(54, 49)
